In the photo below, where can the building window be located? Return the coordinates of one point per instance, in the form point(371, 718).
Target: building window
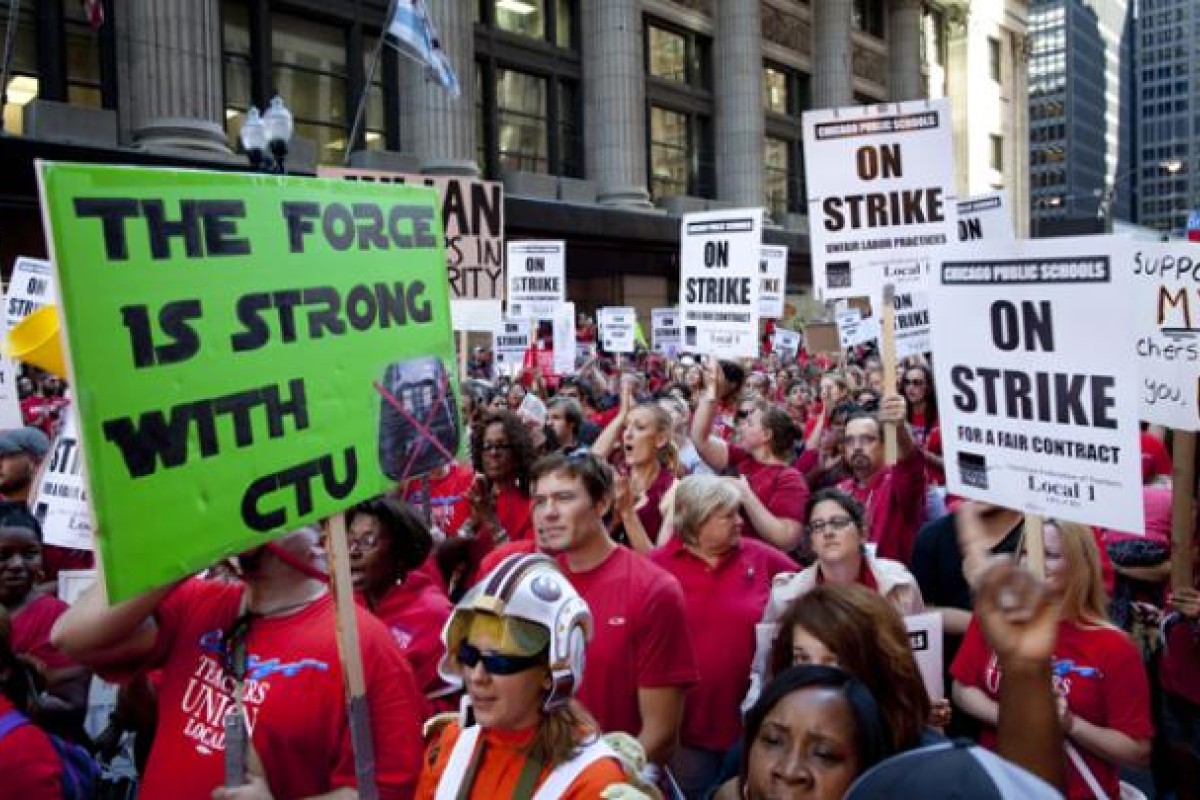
point(522, 117)
point(23, 84)
point(867, 17)
point(777, 173)
point(996, 155)
point(238, 68)
point(670, 156)
point(83, 58)
point(551, 21)
point(309, 72)
point(775, 91)
point(678, 55)
point(994, 57)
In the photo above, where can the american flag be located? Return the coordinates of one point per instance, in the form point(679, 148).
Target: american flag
point(95, 13)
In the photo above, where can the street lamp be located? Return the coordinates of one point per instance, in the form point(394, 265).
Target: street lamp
point(265, 137)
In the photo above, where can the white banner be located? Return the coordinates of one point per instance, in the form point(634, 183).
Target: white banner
point(720, 282)
point(1036, 387)
point(536, 271)
point(666, 336)
point(986, 218)
point(1167, 331)
point(475, 315)
point(855, 329)
point(509, 344)
point(911, 323)
point(564, 339)
point(773, 269)
point(60, 502)
point(786, 343)
point(881, 195)
point(925, 638)
point(618, 328)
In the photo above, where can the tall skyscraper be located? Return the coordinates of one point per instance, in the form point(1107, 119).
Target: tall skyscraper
point(1080, 93)
point(1169, 113)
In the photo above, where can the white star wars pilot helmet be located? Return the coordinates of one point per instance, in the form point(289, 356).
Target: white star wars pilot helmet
point(529, 607)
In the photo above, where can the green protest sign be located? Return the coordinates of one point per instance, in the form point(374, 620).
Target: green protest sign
point(249, 353)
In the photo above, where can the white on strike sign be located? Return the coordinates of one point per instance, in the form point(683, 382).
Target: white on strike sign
point(773, 268)
point(986, 218)
point(618, 328)
point(1036, 387)
point(509, 344)
point(30, 288)
point(665, 334)
point(720, 282)
point(881, 195)
point(536, 271)
point(60, 502)
point(1167, 346)
point(565, 347)
point(910, 322)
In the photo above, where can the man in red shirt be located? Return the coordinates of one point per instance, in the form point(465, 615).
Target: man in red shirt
point(894, 497)
point(278, 630)
point(640, 661)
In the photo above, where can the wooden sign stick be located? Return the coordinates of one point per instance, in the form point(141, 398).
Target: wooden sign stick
point(352, 668)
point(887, 352)
point(462, 355)
point(1035, 545)
point(1182, 509)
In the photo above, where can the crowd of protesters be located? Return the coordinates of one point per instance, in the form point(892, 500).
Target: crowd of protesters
point(654, 577)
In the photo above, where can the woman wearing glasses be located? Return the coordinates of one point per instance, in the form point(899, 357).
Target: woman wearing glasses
point(389, 543)
point(516, 644)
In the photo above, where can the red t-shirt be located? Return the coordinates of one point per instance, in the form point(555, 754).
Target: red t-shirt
point(648, 508)
point(1155, 458)
point(449, 497)
point(894, 500)
point(295, 699)
point(641, 639)
point(782, 489)
point(415, 611)
point(513, 510)
point(31, 631)
point(735, 592)
point(1098, 670)
point(1180, 664)
point(29, 766)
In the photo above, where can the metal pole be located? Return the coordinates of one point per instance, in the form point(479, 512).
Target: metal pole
point(366, 90)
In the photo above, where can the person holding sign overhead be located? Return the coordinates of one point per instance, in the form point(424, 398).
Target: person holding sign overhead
point(273, 638)
point(773, 493)
point(893, 496)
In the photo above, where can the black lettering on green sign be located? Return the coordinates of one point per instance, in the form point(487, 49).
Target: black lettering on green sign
point(174, 319)
point(162, 438)
point(364, 226)
point(207, 228)
point(300, 480)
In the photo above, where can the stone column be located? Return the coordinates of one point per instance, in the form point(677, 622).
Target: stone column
point(904, 50)
point(614, 95)
point(437, 127)
point(739, 101)
point(170, 53)
point(833, 74)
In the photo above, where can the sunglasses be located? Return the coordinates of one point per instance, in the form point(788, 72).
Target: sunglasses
point(489, 447)
point(497, 663)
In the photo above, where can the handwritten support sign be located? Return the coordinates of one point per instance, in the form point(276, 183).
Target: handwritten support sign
point(786, 343)
point(720, 284)
point(536, 272)
point(227, 372)
point(1038, 401)
point(881, 194)
point(1167, 345)
point(473, 217)
point(773, 268)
